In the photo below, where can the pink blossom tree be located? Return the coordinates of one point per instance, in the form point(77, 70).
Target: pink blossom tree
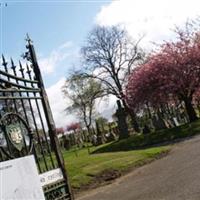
point(73, 127)
point(171, 73)
point(60, 130)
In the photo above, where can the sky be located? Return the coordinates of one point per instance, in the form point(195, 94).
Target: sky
point(59, 28)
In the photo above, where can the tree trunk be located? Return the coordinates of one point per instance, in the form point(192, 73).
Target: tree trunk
point(190, 110)
point(133, 117)
point(88, 139)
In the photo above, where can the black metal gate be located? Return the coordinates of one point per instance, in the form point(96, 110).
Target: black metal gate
point(26, 122)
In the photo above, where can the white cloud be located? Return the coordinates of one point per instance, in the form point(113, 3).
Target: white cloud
point(48, 64)
point(58, 104)
point(107, 106)
point(153, 18)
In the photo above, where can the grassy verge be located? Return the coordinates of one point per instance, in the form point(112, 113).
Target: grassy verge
point(85, 168)
point(122, 155)
point(141, 141)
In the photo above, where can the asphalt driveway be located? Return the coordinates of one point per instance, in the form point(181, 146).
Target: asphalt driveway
point(174, 177)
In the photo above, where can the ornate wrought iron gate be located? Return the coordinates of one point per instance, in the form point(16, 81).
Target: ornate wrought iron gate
point(26, 122)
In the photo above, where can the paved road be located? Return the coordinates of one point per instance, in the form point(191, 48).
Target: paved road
point(174, 177)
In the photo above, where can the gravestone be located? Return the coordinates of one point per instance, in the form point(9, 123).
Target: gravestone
point(176, 121)
point(100, 137)
point(111, 135)
point(94, 140)
point(121, 121)
point(66, 142)
point(158, 123)
point(146, 129)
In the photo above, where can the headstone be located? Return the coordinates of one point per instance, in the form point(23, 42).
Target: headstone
point(100, 138)
point(169, 123)
point(66, 142)
point(158, 123)
point(111, 135)
point(146, 129)
point(176, 121)
point(94, 140)
point(122, 124)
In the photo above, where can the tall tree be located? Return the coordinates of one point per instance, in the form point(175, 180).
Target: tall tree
point(109, 55)
point(82, 92)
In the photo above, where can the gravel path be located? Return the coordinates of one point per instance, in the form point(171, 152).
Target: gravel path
point(174, 177)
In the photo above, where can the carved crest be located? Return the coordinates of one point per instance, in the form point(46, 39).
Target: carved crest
point(15, 135)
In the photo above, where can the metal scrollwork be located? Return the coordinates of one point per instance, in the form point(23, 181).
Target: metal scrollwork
point(56, 191)
point(24, 104)
point(16, 137)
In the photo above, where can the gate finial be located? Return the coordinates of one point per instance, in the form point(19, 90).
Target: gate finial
point(28, 39)
point(13, 66)
point(21, 69)
point(3, 60)
point(12, 63)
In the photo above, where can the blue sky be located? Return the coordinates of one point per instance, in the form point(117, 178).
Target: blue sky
point(59, 29)
point(50, 24)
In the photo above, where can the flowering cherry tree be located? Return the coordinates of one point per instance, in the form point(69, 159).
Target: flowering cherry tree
point(73, 127)
point(171, 73)
point(60, 130)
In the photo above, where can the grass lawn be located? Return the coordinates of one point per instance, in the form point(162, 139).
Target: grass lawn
point(82, 169)
point(120, 155)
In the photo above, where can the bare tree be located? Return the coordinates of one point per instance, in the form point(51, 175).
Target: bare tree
point(109, 56)
point(82, 92)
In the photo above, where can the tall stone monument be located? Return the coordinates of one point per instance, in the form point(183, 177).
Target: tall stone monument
point(121, 121)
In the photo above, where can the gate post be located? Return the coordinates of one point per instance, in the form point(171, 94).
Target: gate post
point(31, 56)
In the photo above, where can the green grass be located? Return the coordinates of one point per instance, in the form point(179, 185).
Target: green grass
point(121, 155)
point(141, 141)
point(84, 168)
